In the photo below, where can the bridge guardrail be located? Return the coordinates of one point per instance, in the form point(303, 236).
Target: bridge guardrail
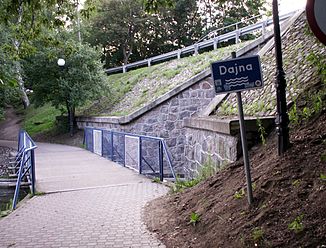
point(144, 154)
point(24, 164)
point(235, 34)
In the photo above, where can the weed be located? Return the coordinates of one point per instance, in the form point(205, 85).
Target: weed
point(156, 180)
point(180, 185)
point(257, 234)
point(262, 131)
point(323, 157)
point(254, 186)
point(6, 209)
point(297, 225)
point(239, 194)
point(293, 114)
point(226, 108)
point(194, 218)
point(322, 176)
point(39, 193)
point(208, 169)
point(296, 183)
point(306, 113)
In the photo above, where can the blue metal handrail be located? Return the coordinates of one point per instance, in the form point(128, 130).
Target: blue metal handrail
point(163, 150)
point(24, 164)
point(235, 34)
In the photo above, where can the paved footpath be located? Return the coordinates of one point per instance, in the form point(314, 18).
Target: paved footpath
point(89, 202)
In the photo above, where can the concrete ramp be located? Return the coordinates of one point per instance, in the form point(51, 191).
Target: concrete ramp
point(66, 168)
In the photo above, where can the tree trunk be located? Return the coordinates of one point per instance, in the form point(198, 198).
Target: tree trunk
point(16, 43)
point(71, 117)
point(20, 80)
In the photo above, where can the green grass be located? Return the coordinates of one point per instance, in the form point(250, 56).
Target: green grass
point(40, 120)
point(160, 78)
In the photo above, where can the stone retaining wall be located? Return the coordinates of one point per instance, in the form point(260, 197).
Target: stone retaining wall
point(165, 120)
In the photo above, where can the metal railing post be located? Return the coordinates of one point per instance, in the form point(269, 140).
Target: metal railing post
point(196, 49)
point(216, 40)
point(33, 171)
point(124, 69)
point(149, 62)
point(161, 160)
point(140, 156)
point(263, 28)
point(237, 34)
point(124, 150)
point(111, 146)
point(121, 147)
point(179, 54)
point(16, 194)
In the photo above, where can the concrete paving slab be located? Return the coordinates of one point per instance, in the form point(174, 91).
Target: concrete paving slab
point(62, 168)
point(97, 203)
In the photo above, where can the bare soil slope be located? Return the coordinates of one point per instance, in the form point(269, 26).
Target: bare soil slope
point(9, 127)
point(290, 199)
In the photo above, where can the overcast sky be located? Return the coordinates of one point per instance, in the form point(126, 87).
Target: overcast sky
point(290, 5)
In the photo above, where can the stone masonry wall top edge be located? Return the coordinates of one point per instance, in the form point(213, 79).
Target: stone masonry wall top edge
point(228, 126)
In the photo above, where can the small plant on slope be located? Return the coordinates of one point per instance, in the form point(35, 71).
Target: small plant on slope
point(297, 225)
point(156, 180)
point(239, 194)
point(194, 218)
point(257, 234)
point(262, 131)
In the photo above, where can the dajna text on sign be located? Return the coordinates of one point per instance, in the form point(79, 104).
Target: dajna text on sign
point(237, 74)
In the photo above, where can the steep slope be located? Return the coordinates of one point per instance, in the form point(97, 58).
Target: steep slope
point(289, 208)
point(132, 90)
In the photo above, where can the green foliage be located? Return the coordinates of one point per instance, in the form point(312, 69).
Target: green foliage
point(323, 157)
point(6, 208)
point(122, 83)
point(257, 234)
point(127, 33)
point(153, 6)
point(322, 176)
point(180, 185)
point(40, 120)
point(293, 115)
point(169, 74)
point(39, 193)
point(239, 194)
point(80, 80)
point(156, 180)
point(262, 131)
point(206, 170)
point(194, 218)
point(297, 225)
point(257, 107)
point(227, 109)
point(319, 61)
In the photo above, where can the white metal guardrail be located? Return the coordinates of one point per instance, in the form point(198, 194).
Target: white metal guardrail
point(235, 34)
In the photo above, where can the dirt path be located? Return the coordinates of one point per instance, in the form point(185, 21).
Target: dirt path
point(9, 128)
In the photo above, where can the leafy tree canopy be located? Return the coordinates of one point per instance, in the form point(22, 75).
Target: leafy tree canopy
point(81, 79)
point(127, 32)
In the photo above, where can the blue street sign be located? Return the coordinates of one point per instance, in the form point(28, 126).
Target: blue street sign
point(237, 74)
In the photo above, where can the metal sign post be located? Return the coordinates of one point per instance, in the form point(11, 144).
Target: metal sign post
point(236, 75)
